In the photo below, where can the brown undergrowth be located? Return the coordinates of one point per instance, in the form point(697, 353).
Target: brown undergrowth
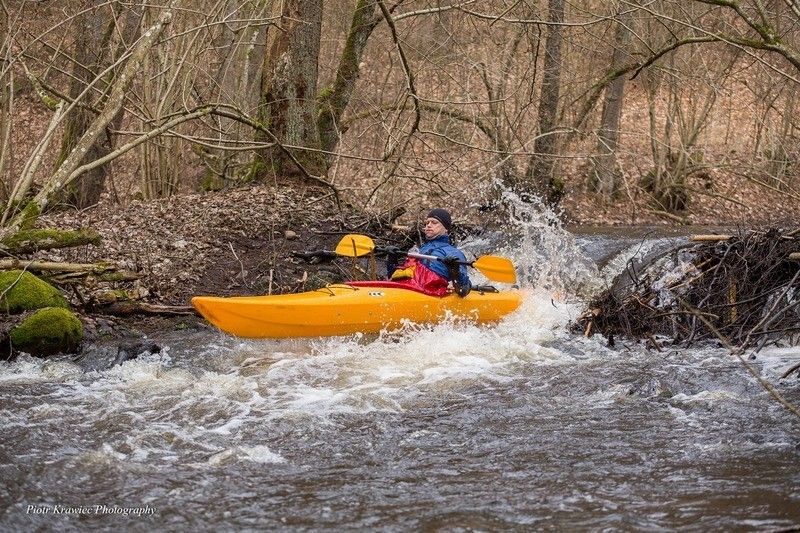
point(239, 241)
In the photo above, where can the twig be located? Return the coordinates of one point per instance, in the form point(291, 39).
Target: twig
point(791, 369)
point(241, 265)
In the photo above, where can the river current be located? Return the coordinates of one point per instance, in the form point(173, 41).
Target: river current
point(453, 427)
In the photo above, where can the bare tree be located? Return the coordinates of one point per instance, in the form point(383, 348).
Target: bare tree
point(70, 168)
point(238, 57)
point(289, 92)
point(690, 86)
point(442, 100)
point(775, 140)
point(6, 100)
point(334, 100)
point(540, 174)
point(604, 175)
point(102, 31)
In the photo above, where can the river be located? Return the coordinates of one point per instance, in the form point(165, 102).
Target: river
point(451, 427)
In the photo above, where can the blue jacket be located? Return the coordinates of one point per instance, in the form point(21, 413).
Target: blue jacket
point(440, 246)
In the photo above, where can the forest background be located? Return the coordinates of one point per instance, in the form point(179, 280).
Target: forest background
point(625, 112)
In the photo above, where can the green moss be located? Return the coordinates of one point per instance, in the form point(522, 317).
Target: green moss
point(23, 291)
point(28, 240)
point(29, 215)
point(48, 331)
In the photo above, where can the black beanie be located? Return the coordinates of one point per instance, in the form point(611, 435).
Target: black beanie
point(442, 216)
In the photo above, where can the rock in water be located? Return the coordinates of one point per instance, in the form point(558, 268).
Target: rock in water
point(126, 352)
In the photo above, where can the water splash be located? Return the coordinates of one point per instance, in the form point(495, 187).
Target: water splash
point(546, 254)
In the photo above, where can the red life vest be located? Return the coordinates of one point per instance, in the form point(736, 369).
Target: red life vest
point(414, 273)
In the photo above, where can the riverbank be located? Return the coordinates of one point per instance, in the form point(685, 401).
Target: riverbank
point(234, 242)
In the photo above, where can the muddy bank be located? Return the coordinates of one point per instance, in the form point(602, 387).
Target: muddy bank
point(234, 242)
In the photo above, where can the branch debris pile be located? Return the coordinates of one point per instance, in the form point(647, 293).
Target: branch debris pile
point(743, 288)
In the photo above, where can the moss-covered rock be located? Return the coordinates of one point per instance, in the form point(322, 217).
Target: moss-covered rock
point(22, 291)
point(48, 331)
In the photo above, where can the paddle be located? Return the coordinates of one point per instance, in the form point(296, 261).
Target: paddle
point(493, 267)
point(354, 245)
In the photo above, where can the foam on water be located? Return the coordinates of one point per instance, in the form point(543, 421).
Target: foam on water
point(775, 361)
point(27, 369)
point(257, 454)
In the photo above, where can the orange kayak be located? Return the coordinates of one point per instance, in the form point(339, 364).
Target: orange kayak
point(344, 309)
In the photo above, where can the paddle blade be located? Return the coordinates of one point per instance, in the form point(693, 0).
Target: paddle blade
point(354, 245)
point(496, 268)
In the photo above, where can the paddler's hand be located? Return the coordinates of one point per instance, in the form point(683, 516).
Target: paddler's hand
point(394, 254)
point(452, 267)
point(454, 271)
point(462, 290)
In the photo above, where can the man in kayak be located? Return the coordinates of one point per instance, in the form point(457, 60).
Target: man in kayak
point(433, 276)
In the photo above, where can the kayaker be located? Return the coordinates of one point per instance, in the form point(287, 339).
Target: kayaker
point(433, 276)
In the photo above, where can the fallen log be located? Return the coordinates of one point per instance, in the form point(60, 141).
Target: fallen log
point(32, 240)
point(110, 276)
point(123, 308)
point(52, 266)
point(709, 238)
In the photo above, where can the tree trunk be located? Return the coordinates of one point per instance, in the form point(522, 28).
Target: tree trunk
point(540, 174)
point(605, 177)
point(333, 100)
point(238, 76)
point(289, 89)
point(6, 107)
point(94, 31)
point(88, 62)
